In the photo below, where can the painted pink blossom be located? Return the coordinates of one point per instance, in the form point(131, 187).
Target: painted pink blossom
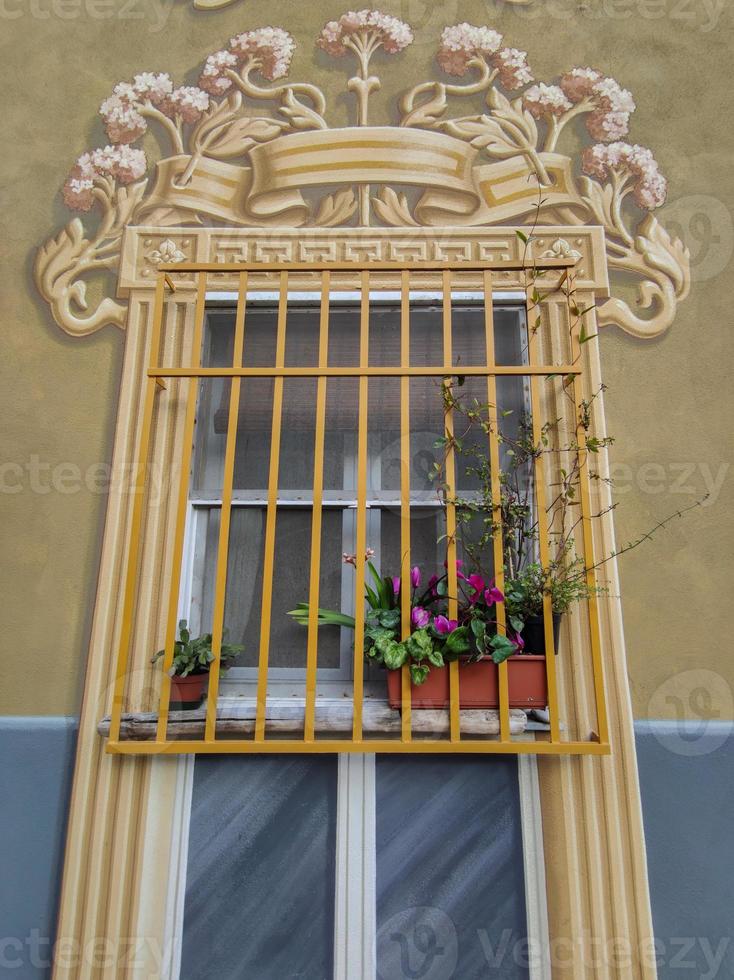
point(650, 187)
point(269, 48)
point(493, 594)
point(122, 163)
point(384, 30)
point(464, 44)
point(443, 625)
point(213, 78)
point(613, 104)
point(188, 102)
point(545, 100)
point(512, 68)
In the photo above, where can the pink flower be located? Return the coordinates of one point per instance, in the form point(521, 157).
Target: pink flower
point(188, 102)
point(443, 625)
point(432, 583)
point(493, 594)
point(213, 78)
point(519, 642)
point(613, 104)
point(419, 617)
point(477, 585)
point(396, 585)
point(415, 577)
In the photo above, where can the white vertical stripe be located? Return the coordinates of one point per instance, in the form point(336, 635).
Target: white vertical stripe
point(355, 924)
point(536, 899)
point(174, 921)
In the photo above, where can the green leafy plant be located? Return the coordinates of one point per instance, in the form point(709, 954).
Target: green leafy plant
point(195, 656)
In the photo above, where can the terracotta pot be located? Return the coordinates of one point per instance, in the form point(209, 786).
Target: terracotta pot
point(188, 692)
point(478, 685)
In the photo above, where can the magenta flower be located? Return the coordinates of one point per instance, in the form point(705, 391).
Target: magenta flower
point(519, 643)
point(477, 585)
point(444, 625)
point(493, 594)
point(415, 577)
point(459, 573)
point(419, 617)
point(396, 585)
point(432, 583)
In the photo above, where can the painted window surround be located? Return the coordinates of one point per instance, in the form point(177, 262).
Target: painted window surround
point(120, 871)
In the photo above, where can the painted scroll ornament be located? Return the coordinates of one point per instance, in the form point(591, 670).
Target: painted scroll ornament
point(230, 163)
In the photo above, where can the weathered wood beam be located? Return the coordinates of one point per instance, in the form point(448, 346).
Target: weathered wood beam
point(333, 715)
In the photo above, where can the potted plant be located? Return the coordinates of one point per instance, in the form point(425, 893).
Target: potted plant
point(192, 660)
point(473, 638)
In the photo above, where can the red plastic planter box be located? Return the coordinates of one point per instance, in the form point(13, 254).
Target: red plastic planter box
point(478, 685)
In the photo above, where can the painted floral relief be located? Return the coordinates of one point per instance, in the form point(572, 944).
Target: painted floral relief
point(485, 145)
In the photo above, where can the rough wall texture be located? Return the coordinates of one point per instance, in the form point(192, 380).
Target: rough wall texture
point(668, 402)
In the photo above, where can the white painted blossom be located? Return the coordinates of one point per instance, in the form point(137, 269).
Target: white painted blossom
point(271, 48)
point(545, 100)
point(123, 122)
point(392, 34)
point(213, 78)
point(153, 87)
point(188, 103)
point(613, 104)
point(124, 163)
point(578, 84)
point(651, 187)
point(512, 68)
point(463, 43)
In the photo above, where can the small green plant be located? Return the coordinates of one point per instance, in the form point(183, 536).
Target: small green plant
point(194, 656)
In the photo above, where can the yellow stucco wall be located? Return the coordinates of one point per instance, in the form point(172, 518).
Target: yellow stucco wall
point(669, 402)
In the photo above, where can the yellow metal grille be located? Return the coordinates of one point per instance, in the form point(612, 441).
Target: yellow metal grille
point(552, 741)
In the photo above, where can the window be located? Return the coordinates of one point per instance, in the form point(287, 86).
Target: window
point(309, 425)
point(243, 604)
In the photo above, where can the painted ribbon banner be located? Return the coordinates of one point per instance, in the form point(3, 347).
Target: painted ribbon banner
point(457, 189)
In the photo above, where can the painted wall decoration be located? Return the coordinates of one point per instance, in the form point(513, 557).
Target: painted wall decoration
point(249, 147)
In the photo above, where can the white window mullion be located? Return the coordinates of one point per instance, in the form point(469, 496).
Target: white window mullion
point(355, 919)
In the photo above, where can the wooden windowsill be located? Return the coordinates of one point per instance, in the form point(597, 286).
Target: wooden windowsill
point(285, 716)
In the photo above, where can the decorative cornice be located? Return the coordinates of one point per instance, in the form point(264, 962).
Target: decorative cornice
point(233, 164)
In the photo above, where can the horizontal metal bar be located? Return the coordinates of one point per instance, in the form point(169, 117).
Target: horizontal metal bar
point(233, 746)
point(350, 296)
point(435, 371)
point(371, 265)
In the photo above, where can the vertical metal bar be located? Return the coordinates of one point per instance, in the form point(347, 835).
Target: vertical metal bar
point(318, 494)
point(361, 543)
point(450, 474)
point(533, 313)
point(183, 500)
point(220, 586)
point(138, 489)
point(272, 513)
point(587, 531)
point(405, 496)
point(497, 537)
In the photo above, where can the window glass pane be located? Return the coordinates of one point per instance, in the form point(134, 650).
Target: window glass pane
point(243, 603)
